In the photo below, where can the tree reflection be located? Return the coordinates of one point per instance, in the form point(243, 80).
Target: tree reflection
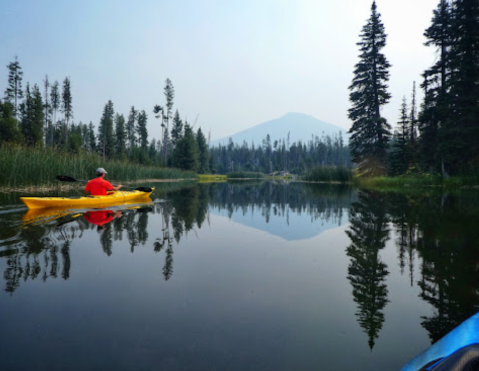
point(43, 248)
point(439, 229)
point(368, 232)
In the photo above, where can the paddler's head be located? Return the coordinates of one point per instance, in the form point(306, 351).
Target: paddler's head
point(100, 172)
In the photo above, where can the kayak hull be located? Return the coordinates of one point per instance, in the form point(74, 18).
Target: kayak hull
point(117, 198)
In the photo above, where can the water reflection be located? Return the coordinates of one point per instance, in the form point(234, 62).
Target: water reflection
point(442, 231)
point(291, 211)
point(436, 231)
point(435, 236)
point(368, 232)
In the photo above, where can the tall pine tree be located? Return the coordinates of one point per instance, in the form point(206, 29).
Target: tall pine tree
point(131, 130)
point(14, 90)
point(54, 107)
point(203, 157)
point(462, 123)
point(120, 134)
point(370, 132)
point(106, 140)
point(434, 110)
point(400, 155)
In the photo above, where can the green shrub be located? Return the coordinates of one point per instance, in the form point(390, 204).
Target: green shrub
point(328, 174)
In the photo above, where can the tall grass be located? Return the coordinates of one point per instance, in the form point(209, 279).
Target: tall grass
point(245, 175)
point(328, 174)
point(21, 166)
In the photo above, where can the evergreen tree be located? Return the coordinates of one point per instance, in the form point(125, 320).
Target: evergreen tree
point(120, 133)
point(54, 107)
point(106, 141)
point(37, 120)
point(75, 139)
point(370, 132)
point(131, 129)
point(67, 107)
point(32, 119)
point(91, 137)
point(203, 158)
point(400, 156)
point(14, 90)
point(177, 129)
point(434, 110)
point(142, 131)
point(9, 131)
point(412, 131)
point(461, 128)
point(152, 150)
point(185, 154)
point(46, 85)
point(169, 92)
point(24, 110)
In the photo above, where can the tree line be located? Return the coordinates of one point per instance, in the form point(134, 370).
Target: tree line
point(279, 155)
point(43, 117)
point(440, 137)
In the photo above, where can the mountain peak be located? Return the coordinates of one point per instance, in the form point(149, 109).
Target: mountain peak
point(298, 126)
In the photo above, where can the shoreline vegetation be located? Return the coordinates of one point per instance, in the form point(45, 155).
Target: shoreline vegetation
point(23, 167)
point(35, 169)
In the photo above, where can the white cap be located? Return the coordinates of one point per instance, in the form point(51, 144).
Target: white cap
point(101, 170)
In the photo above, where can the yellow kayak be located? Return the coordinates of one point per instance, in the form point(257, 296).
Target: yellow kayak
point(44, 215)
point(116, 198)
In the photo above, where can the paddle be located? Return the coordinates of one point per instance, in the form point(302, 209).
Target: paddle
point(66, 178)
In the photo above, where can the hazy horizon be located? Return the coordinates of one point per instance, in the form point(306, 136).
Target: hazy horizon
point(233, 66)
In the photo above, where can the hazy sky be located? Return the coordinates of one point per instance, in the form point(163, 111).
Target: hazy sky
point(234, 64)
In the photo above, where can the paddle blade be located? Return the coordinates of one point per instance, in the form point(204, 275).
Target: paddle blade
point(143, 189)
point(64, 178)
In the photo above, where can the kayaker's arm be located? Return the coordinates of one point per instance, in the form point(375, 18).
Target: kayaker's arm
point(117, 188)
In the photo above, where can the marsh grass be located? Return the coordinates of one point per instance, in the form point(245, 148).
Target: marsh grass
point(21, 167)
point(328, 174)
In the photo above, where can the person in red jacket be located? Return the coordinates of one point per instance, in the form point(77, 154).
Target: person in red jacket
point(99, 186)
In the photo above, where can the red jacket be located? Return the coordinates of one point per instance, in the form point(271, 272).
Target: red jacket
point(98, 187)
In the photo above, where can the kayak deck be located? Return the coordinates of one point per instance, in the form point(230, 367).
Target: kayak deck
point(118, 197)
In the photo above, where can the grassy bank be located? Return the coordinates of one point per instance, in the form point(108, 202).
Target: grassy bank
point(424, 180)
point(328, 174)
point(211, 178)
point(22, 167)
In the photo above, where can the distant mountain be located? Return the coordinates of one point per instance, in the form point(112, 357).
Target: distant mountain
point(299, 125)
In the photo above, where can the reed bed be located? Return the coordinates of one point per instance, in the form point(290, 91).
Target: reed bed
point(328, 174)
point(21, 167)
point(245, 175)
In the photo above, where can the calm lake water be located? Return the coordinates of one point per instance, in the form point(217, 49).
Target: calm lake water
point(237, 276)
